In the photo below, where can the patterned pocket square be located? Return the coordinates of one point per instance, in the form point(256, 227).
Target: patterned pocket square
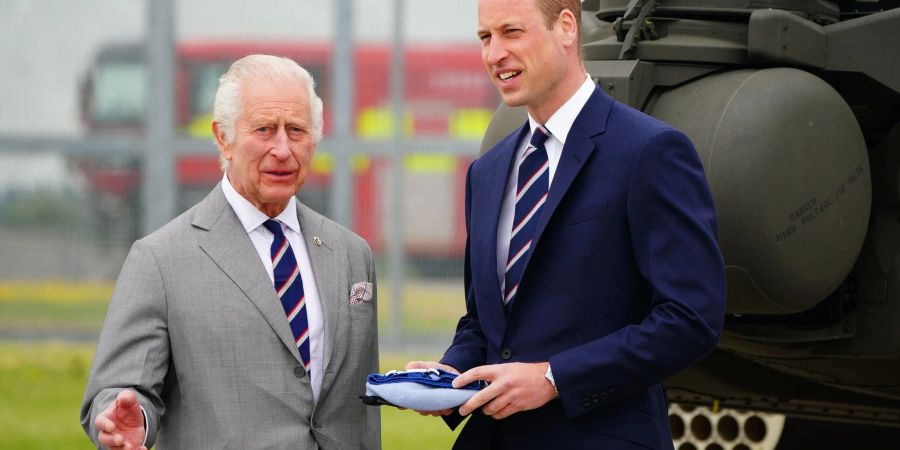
point(361, 293)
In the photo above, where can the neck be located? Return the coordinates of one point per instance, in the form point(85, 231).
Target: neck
point(271, 209)
point(544, 109)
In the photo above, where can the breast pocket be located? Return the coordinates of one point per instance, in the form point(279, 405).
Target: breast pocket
point(362, 324)
point(584, 211)
point(362, 311)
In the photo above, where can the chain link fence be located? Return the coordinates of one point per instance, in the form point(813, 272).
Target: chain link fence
point(105, 135)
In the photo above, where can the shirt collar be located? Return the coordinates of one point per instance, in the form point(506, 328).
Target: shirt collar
point(250, 217)
point(562, 120)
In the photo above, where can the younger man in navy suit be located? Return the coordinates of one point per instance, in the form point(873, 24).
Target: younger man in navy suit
point(592, 270)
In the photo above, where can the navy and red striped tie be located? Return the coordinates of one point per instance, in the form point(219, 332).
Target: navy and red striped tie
point(531, 193)
point(289, 287)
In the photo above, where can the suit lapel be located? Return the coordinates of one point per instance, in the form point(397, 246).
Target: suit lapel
point(327, 273)
point(487, 199)
point(591, 121)
point(228, 245)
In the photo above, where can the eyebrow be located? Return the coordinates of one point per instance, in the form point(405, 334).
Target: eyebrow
point(262, 120)
point(266, 116)
point(502, 26)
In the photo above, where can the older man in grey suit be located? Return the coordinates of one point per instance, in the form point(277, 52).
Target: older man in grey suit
point(249, 320)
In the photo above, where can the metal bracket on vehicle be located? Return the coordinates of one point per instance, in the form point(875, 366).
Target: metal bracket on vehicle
point(629, 39)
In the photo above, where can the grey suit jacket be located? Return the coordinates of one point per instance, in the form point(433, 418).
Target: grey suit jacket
point(195, 327)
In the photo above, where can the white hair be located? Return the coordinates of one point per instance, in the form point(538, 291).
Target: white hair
point(228, 107)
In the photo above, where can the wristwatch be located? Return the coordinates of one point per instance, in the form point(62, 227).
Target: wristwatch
point(549, 376)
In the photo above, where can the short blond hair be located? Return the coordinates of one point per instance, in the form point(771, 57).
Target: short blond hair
point(551, 9)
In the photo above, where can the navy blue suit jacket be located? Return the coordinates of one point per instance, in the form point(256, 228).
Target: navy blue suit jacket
point(625, 285)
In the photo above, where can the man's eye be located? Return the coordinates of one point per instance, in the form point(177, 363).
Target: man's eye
point(263, 129)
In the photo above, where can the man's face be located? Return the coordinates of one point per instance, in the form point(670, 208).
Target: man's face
point(273, 143)
point(524, 60)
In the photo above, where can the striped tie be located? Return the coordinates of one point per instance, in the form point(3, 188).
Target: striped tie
point(289, 287)
point(531, 193)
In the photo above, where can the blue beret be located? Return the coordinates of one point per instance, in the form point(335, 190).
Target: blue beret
point(419, 389)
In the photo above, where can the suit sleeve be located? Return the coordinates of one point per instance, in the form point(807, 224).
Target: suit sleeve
point(133, 349)
point(671, 220)
point(468, 347)
point(373, 415)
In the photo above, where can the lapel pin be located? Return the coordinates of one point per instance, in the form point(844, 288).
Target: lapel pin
point(317, 240)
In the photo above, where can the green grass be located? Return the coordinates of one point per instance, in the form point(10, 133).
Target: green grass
point(428, 306)
point(402, 430)
point(53, 305)
point(41, 385)
point(40, 315)
point(40, 393)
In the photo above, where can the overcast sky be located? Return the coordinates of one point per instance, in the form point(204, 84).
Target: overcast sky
point(46, 45)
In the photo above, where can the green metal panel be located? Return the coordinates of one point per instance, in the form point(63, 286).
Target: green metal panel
point(788, 168)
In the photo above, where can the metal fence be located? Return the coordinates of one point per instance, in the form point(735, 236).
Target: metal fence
point(104, 136)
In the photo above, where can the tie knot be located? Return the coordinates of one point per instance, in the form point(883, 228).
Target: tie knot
point(274, 227)
point(539, 136)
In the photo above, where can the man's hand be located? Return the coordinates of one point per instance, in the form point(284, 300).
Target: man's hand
point(121, 425)
point(432, 365)
point(512, 388)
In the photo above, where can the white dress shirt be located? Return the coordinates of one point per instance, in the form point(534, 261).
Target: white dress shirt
point(252, 219)
point(558, 125)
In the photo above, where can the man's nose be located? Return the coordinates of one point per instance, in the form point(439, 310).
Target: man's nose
point(280, 148)
point(494, 52)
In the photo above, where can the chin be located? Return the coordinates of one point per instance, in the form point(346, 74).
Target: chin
point(514, 99)
point(279, 196)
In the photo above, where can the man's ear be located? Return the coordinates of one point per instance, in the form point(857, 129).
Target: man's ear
point(568, 25)
point(220, 140)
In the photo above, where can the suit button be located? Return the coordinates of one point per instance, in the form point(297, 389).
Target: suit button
point(505, 354)
point(595, 398)
point(586, 401)
point(299, 372)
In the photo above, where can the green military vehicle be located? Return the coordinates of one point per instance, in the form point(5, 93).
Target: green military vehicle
point(794, 108)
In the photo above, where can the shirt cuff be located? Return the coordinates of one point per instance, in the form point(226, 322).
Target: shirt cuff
point(145, 425)
point(549, 376)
